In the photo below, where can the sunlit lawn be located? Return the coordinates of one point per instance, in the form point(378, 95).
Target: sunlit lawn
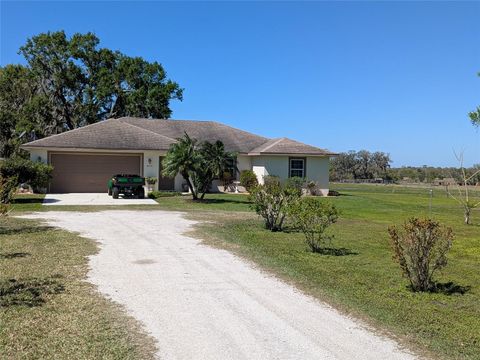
point(48, 310)
point(366, 283)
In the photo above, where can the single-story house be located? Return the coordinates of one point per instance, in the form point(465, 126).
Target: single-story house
point(85, 158)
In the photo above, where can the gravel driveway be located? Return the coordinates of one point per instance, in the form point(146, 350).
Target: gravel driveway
point(204, 303)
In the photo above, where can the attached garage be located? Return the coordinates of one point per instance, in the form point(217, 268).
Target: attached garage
point(89, 172)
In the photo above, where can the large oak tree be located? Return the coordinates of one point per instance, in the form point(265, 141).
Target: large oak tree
point(72, 82)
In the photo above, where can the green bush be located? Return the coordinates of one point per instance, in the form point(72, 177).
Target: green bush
point(312, 217)
point(8, 185)
point(159, 194)
point(420, 250)
point(36, 174)
point(311, 187)
point(248, 179)
point(151, 180)
point(272, 201)
point(296, 182)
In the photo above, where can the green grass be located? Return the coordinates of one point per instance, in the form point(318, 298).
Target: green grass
point(368, 284)
point(47, 310)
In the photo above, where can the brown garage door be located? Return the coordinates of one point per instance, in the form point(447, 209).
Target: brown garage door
point(89, 173)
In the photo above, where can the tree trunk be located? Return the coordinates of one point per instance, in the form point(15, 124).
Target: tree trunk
point(190, 186)
point(467, 216)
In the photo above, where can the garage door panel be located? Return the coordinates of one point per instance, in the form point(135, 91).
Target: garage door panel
point(89, 173)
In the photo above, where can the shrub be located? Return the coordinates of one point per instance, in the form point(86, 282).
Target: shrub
point(248, 179)
point(313, 217)
point(420, 250)
point(269, 180)
point(272, 201)
point(296, 182)
point(4, 209)
point(36, 174)
point(311, 187)
point(151, 180)
point(8, 185)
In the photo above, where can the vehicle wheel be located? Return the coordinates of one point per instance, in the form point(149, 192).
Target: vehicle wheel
point(141, 193)
point(115, 192)
point(109, 192)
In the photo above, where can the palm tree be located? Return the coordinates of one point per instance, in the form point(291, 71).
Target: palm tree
point(215, 161)
point(182, 157)
point(199, 166)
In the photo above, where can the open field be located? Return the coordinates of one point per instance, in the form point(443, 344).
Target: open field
point(365, 283)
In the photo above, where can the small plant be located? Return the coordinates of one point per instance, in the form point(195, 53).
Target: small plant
point(7, 189)
point(248, 179)
point(272, 201)
point(8, 185)
point(151, 180)
point(313, 217)
point(311, 187)
point(4, 210)
point(420, 250)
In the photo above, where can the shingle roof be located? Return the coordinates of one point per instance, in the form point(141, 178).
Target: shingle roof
point(150, 134)
point(108, 134)
point(233, 139)
point(288, 146)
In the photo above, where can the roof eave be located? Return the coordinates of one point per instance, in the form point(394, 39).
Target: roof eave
point(292, 154)
point(70, 148)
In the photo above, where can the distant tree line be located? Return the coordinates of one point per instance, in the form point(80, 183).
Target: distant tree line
point(428, 174)
point(366, 165)
point(363, 164)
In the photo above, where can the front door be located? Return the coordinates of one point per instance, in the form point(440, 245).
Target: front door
point(164, 183)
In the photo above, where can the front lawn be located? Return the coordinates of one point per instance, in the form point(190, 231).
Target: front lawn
point(367, 283)
point(48, 310)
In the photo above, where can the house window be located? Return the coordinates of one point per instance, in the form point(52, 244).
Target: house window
point(297, 168)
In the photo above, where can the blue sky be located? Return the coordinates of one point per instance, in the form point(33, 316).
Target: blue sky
point(394, 77)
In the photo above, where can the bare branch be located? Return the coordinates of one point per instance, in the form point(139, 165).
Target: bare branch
point(474, 174)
